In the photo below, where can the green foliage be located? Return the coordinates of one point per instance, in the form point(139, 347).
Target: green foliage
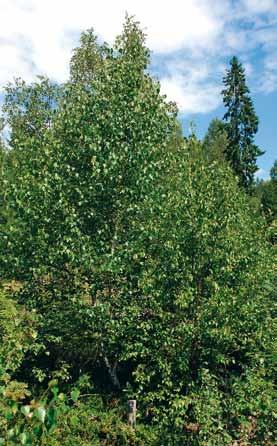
point(29, 421)
point(139, 263)
point(269, 199)
point(93, 422)
point(215, 141)
point(86, 60)
point(265, 193)
point(269, 195)
point(17, 332)
point(92, 171)
point(18, 338)
point(241, 125)
point(28, 110)
point(26, 424)
point(3, 158)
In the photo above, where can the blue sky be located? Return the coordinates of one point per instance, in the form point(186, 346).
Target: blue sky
point(191, 43)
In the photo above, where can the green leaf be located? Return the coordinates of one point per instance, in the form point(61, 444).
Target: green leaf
point(52, 383)
point(75, 395)
point(26, 410)
point(74, 420)
point(23, 438)
point(10, 433)
point(40, 414)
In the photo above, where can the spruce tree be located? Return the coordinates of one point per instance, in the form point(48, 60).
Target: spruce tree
point(242, 124)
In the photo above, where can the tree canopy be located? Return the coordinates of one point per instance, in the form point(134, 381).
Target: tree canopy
point(132, 267)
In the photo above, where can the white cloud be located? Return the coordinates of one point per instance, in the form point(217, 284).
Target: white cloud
point(191, 84)
point(268, 83)
point(44, 23)
point(260, 6)
point(37, 36)
point(14, 63)
point(191, 97)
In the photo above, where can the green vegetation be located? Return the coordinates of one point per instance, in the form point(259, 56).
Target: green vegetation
point(267, 192)
point(215, 142)
point(241, 125)
point(131, 268)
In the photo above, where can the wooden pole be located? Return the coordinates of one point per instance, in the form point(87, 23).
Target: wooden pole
point(132, 410)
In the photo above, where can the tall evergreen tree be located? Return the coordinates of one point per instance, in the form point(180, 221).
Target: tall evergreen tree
point(242, 124)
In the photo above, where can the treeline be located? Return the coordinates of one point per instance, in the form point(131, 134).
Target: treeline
point(134, 264)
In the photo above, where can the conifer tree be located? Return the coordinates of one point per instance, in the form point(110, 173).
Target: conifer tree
point(242, 124)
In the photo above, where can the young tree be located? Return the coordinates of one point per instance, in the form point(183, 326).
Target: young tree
point(215, 141)
point(242, 124)
point(89, 172)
